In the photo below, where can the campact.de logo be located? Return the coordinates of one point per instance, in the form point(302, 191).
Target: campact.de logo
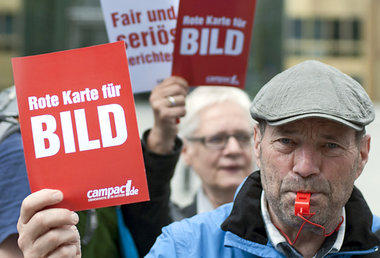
point(112, 192)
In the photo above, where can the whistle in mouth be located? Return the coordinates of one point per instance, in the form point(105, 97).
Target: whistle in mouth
point(302, 204)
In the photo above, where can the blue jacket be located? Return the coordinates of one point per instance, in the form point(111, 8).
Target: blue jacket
point(237, 230)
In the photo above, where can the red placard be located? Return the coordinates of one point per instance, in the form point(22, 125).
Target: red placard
point(79, 127)
point(212, 41)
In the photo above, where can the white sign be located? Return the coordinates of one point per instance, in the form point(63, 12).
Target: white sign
point(148, 29)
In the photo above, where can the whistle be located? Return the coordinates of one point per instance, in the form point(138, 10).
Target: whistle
point(302, 204)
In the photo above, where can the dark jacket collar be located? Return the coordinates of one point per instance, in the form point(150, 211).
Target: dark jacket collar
point(246, 221)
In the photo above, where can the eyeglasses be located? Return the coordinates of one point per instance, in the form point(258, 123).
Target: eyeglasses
point(219, 141)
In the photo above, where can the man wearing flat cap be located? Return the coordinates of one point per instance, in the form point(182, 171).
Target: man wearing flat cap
point(310, 147)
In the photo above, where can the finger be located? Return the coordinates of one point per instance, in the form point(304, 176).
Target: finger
point(44, 221)
point(37, 201)
point(164, 109)
point(65, 251)
point(60, 242)
point(170, 86)
point(159, 104)
point(171, 113)
point(176, 80)
point(174, 90)
point(174, 101)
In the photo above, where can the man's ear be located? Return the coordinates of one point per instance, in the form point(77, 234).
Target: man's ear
point(364, 147)
point(257, 144)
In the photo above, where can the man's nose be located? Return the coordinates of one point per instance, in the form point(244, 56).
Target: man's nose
point(307, 161)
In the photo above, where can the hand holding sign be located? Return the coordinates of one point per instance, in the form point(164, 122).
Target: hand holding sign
point(164, 131)
point(57, 237)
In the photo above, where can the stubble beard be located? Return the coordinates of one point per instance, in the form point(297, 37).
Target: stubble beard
point(327, 213)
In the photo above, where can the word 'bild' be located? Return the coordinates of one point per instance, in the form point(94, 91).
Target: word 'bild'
point(206, 42)
point(48, 143)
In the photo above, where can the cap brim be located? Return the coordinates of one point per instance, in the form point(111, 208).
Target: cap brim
point(319, 115)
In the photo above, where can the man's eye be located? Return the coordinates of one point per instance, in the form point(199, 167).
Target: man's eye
point(285, 141)
point(333, 150)
point(284, 145)
point(331, 145)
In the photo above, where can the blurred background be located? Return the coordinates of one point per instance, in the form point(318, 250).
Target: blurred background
point(342, 33)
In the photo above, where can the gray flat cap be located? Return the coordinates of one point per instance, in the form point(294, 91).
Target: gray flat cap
point(313, 89)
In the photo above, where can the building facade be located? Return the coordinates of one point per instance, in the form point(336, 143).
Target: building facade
point(343, 33)
point(10, 38)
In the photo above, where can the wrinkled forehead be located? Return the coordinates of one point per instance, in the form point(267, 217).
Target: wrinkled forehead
point(313, 127)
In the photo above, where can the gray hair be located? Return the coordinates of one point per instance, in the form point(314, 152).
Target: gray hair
point(205, 96)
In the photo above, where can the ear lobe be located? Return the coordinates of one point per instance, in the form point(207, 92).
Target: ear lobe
point(185, 153)
point(364, 149)
point(257, 144)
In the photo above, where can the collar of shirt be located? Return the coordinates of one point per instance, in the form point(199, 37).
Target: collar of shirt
point(280, 243)
point(203, 203)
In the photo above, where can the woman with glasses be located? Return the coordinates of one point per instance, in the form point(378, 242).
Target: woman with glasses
point(215, 140)
point(217, 144)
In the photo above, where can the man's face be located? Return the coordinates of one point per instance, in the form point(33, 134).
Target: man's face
point(310, 155)
point(226, 168)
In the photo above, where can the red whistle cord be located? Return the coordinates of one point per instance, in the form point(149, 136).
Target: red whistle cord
point(306, 220)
